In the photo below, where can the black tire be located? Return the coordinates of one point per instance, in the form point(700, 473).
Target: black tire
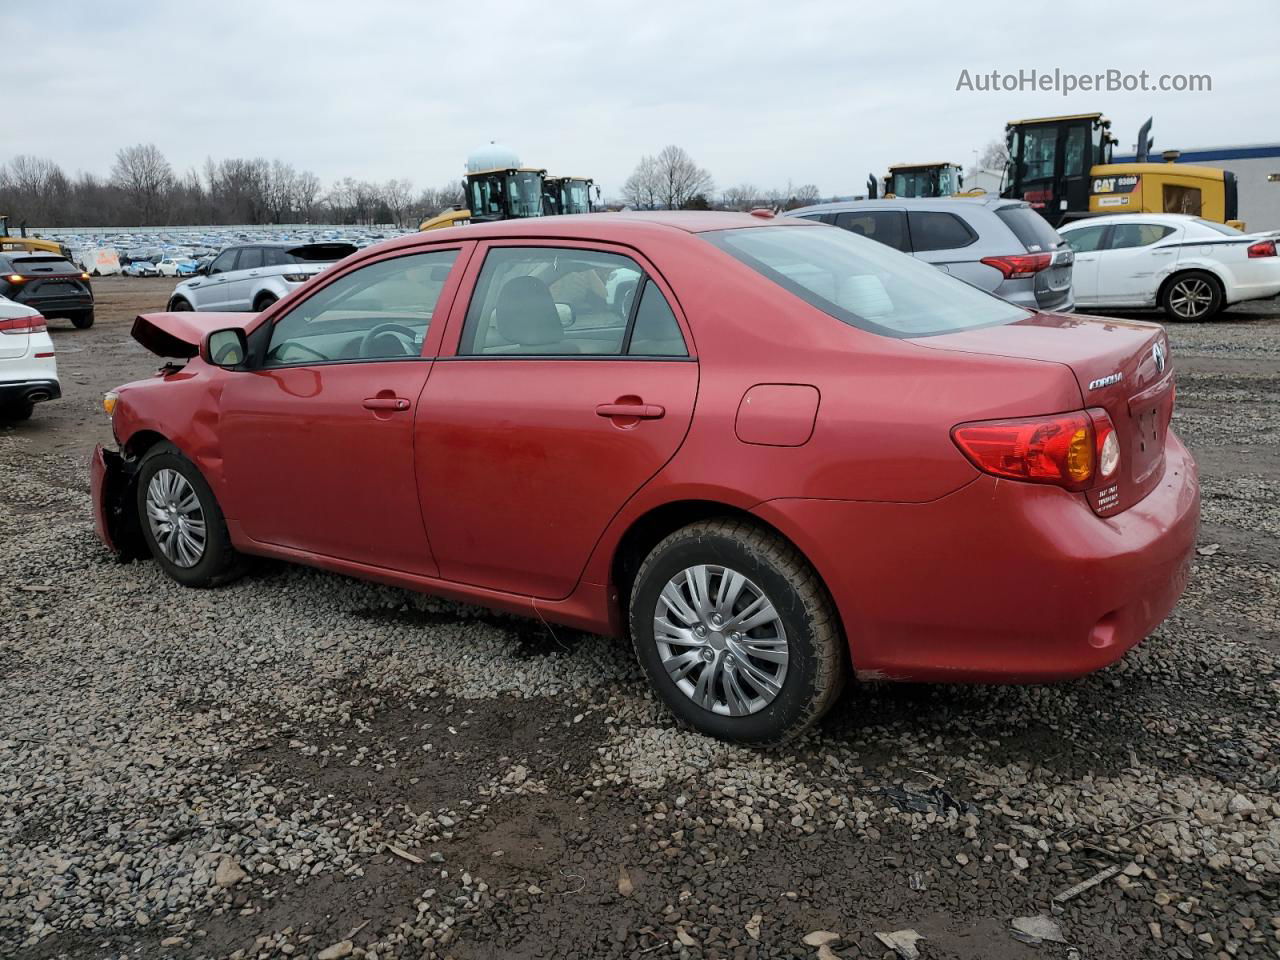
point(178, 305)
point(17, 410)
point(817, 664)
point(82, 321)
point(1192, 295)
point(264, 301)
point(218, 561)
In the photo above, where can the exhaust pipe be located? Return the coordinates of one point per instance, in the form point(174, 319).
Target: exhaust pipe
point(38, 396)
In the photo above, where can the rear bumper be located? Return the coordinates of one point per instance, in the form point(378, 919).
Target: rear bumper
point(29, 391)
point(999, 581)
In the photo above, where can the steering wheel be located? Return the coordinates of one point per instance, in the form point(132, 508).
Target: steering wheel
point(367, 340)
point(294, 345)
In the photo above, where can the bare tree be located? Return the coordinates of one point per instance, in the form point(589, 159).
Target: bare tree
point(33, 189)
point(742, 197)
point(803, 195)
point(641, 188)
point(679, 178)
point(144, 175)
point(993, 156)
point(397, 195)
point(306, 191)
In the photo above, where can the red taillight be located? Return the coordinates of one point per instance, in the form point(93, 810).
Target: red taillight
point(33, 324)
point(1263, 248)
point(1020, 264)
point(16, 278)
point(1062, 449)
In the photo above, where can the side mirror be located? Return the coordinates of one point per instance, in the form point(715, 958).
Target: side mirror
point(225, 348)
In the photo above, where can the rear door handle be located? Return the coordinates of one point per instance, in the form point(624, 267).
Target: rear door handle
point(640, 411)
point(386, 403)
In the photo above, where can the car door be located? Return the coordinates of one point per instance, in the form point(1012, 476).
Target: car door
point(1137, 256)
point(572, 383)
point(241, 286)
point(1086, 243)
point(211, 291)
point(318, 437)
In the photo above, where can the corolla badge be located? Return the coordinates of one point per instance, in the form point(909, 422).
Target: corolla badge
point(1157, 354)
point(1105, 381)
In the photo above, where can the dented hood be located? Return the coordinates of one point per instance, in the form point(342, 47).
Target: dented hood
point(179, 334)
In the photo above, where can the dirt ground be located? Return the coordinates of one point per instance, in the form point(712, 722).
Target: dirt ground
point(301, 763)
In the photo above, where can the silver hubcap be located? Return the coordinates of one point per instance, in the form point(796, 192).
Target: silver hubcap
point(175, 518)
point(1190, 298)
point(721, 640)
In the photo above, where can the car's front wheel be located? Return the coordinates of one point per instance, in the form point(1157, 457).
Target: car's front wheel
point(178, 305)
point(736, 632)
point(181, 521)
point(1194, 295)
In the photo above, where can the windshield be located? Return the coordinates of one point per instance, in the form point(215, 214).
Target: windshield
point(575, 197)
point(864, 283)
point(1034, 151)
point(524, 190)
point(915, 183)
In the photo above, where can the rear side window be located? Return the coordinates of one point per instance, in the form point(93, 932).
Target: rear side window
point(862, 283)
point(884, 226)
point(1137, 234)
point(655, 332)
point(1031, 229)
point(934, 230)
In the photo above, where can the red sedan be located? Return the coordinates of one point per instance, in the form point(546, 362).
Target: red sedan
point(768, 451)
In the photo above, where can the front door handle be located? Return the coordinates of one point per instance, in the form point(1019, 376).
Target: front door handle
point(386, 403)
point(639, 411)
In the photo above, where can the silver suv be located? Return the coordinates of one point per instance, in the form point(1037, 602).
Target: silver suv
point(252, 276)
point(1001, 246)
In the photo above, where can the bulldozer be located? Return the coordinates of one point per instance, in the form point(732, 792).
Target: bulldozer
point(1062, 166)
point(28, 244)
point(569, 194)
point(919, 180)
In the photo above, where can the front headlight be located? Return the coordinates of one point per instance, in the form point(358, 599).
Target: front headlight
point(109, 402)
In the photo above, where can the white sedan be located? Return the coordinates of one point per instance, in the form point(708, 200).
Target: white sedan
point(28, 371)
point(1189, 267)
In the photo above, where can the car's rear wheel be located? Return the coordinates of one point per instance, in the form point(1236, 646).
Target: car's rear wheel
point(265, 300)
point(1194, 295)
point(17, 410)
point(736, 632)
point(178, 305)
point(181, 521)
point(82, 321)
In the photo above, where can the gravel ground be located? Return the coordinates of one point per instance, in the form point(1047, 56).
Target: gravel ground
point(301, 764)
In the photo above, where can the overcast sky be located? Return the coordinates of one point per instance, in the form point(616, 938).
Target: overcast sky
point(763, 92)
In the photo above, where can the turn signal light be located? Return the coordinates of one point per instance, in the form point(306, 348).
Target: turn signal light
point(1069, 450)
point(85, 276)
point(32, 324)
point(16, 278)
point(1263, 248)
point(1020, 264)
point(109, 401)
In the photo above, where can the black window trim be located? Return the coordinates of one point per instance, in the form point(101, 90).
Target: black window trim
point(548, 244)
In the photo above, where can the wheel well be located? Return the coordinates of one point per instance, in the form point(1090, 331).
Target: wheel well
point(141, 442)
point(264, 295)
point(174, 300)
point(1213, 277)
point(650, 529)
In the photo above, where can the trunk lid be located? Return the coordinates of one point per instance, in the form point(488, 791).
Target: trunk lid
point(179, 334)
point(1121, 366)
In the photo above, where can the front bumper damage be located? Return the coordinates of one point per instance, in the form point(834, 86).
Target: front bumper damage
point(115, 513)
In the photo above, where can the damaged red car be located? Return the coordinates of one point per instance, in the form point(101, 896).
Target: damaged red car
point(773, 454)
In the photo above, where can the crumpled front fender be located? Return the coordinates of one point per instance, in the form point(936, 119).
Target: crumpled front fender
point(115, 514)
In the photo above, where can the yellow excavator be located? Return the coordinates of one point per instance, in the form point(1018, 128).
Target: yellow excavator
point(1062, 166)
point(570, 194)
point(919, 180)
point(28, 244)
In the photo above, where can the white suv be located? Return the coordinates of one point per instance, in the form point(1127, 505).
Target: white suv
point(252, 276)
point(28, 371)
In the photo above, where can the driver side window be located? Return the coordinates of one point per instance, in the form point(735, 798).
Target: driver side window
point(378, 312)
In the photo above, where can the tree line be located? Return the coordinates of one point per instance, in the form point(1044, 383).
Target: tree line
point(142, 189)
point(671, 180)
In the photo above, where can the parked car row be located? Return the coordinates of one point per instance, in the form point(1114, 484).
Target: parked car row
point(771, 452)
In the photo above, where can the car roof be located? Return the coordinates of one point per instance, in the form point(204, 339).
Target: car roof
point(910, 203)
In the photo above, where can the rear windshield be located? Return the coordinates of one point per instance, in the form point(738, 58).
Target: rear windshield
point(1220, 227)
point(864, 283)
point(320, 252)
point(43, 265)
point(1031, 229)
